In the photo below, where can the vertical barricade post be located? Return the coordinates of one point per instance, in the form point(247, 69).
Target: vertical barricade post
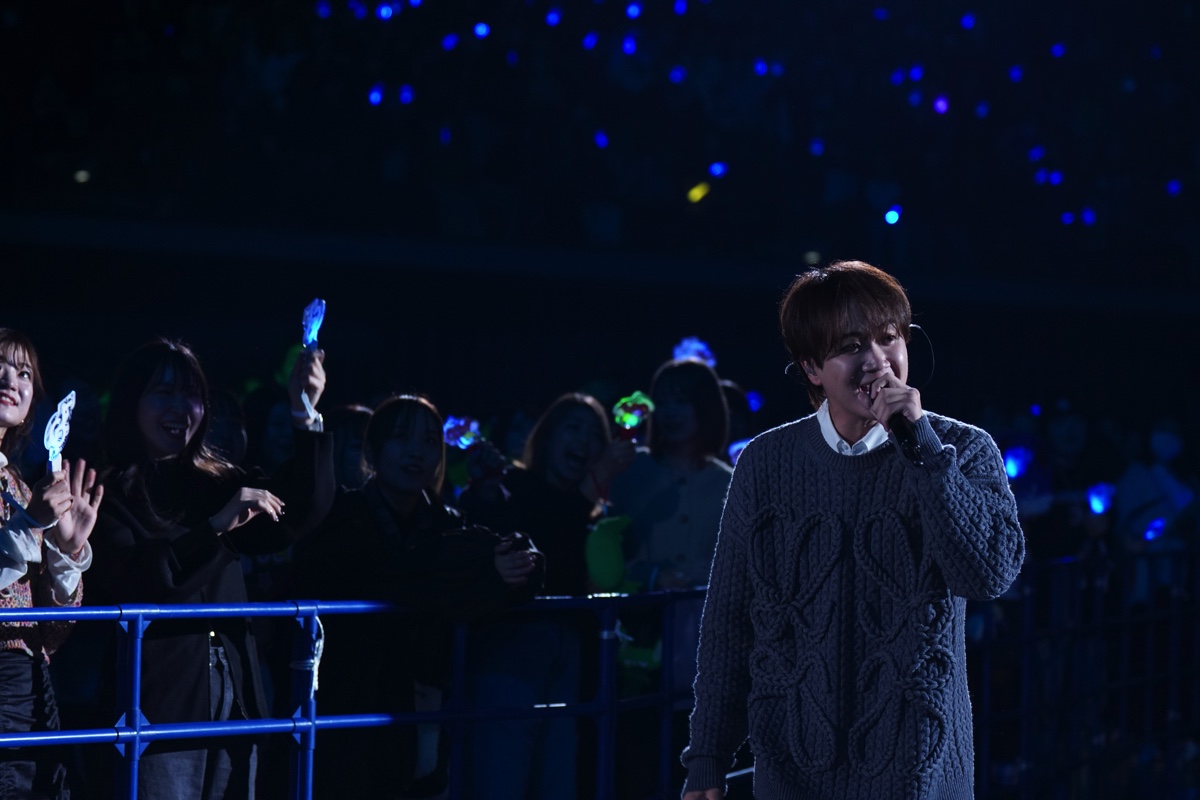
point(666, 683)
point(1029, 674)
point(133, 623)
point(306, 658)
point(1174, 710)
point(457, 701)
point(606, 694)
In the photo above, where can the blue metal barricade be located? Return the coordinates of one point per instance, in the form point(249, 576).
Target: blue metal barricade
point(1086, 673)
point(132, 732)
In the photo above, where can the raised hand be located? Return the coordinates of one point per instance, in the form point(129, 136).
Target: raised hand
point(889, 395)
point(308, 377)
point(615, 459)
point(76, 523)
point(245, 506)
point(484, 461)
point(51, 499)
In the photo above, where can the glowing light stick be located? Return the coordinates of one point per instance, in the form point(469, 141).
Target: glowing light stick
point(1016, 461)
point(314, 315)
point(630, 412)
point(692, 347)
point(56, 432)
point(461, 432)
point(1100, 497)
point(736, 449)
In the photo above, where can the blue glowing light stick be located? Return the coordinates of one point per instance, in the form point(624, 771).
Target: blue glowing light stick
point(1154, 529)
point(314, 315)
point(1100, 497)
point(1016, 461)
point(692, 347)
point(57, 430)
point(461, 432)
point(736, 449)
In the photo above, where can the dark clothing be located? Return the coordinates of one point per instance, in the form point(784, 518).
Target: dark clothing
point(557, 520)
point(534, 658)
point(141, 559)
point(28, 704)
point(429, 562)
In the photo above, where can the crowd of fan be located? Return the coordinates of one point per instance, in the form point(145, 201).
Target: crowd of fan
point(208, 497)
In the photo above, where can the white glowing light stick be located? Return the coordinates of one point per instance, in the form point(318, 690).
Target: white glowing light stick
point(56, 432)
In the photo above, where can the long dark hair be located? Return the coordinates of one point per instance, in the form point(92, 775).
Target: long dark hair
point(125, 450)
point(698, 383)
point(17, 347)
point(550, 421)
point(398, 413)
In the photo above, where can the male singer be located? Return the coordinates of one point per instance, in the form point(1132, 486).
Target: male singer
point(833, 633)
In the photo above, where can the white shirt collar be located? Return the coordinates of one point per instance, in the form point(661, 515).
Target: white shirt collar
point(875, 437)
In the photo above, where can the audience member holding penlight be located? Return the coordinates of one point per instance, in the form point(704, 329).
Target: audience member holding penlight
point(175, 522)
point(44, 550)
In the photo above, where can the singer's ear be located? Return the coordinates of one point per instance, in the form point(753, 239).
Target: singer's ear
point(811, 371)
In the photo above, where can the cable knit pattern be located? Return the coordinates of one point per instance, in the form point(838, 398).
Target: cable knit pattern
point(33, 590)
point(833, 632)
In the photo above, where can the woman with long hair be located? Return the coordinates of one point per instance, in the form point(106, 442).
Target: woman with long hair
point(177, 519)
point(555, 496)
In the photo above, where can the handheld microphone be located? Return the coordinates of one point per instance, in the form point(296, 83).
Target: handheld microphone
point(902, 429)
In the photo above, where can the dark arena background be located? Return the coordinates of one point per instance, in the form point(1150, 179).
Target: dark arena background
point(504, 201)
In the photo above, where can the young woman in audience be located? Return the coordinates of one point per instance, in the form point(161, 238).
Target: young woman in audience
point(393, 540)
point(675, 489)
point(570, 459)
point(176, 520)
point(43, 551)
point(674, 494)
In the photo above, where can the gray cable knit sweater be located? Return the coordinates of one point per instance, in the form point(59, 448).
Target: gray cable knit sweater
point(833, 631)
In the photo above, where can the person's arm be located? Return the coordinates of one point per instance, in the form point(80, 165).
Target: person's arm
point(968, 512)
point(18, 549)
point(31, 510)
point(132, 565)
point(306, 482)
point(719, 722)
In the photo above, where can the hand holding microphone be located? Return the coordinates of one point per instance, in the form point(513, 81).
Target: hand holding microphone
point(897, 407)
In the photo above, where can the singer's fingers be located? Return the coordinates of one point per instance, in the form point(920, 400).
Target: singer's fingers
point(897, 400)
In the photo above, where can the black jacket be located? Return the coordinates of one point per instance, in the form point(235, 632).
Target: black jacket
point(139, 561)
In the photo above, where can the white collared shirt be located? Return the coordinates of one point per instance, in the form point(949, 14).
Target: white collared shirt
point(876, 436)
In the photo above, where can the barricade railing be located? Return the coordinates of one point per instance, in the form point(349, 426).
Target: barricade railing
point(1085, 679)
point(132, 733)
point(1086, 673)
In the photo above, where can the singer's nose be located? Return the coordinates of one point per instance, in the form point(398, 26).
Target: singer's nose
point(876, 359)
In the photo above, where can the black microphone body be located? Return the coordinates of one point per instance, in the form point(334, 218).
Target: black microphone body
point(902, 429)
